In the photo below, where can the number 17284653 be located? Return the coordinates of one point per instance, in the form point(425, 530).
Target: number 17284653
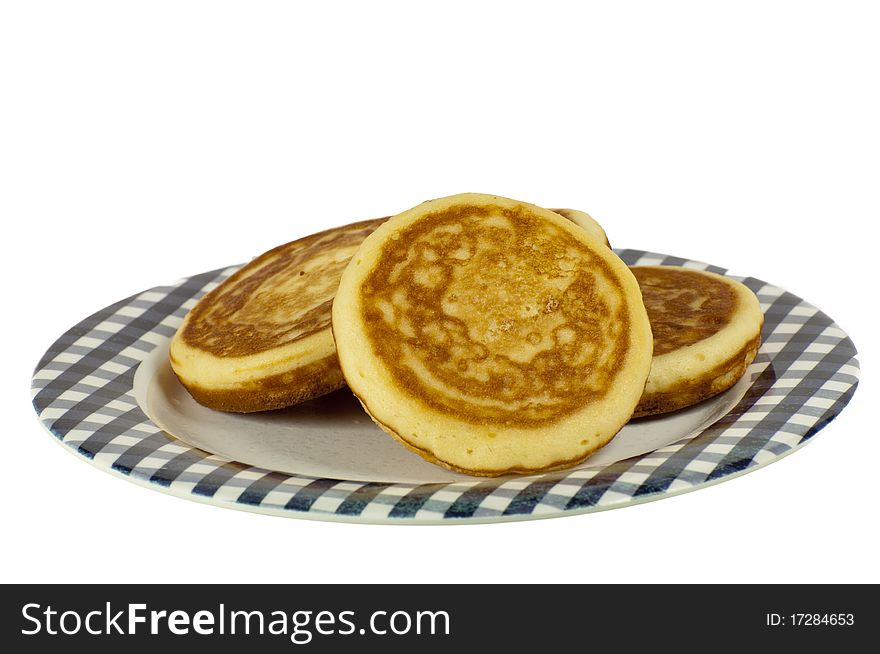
point(810, 620)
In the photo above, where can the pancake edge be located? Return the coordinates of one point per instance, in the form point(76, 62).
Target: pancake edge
point(689, 391)
point(231, 372)
point(514, 470)
point(586, 222)
point(274, 391)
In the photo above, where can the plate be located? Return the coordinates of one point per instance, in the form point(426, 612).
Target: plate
point(105, 390)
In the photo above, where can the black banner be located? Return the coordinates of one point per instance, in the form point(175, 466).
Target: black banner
point(435, 617)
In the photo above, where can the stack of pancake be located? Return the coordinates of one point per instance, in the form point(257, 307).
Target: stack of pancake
point(488, 335)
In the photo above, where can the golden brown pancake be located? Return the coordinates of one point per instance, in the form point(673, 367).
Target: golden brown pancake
point(492, 336)
point(707, 330)
point(585, 221)
point(261, 339)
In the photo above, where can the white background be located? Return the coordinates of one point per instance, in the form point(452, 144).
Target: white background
point(144, 142)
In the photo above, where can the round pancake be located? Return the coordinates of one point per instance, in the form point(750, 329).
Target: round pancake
point(261, 339)
point(707, 330)
point(492, 336)
point(585, 221)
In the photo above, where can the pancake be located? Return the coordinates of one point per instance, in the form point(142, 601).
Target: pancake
point(261, 339)
point(492, 336)
point(586, 222)
point(707, 330)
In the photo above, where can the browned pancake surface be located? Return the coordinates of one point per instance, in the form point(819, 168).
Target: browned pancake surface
point(460, 317)
point(254, 310)
point(683, 307)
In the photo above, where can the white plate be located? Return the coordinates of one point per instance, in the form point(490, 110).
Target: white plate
point(105, 389)
point(333, 437)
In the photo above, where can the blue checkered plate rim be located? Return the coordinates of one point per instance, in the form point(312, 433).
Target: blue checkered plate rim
point(802, 377)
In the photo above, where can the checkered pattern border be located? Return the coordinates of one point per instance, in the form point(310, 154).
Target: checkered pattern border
point(803, 376)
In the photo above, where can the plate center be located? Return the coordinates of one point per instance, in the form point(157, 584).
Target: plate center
point(333, 437)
